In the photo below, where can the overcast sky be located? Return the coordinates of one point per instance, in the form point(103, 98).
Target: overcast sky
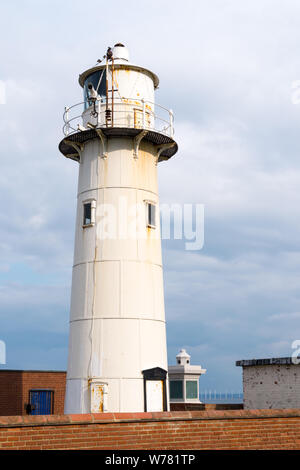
point(227, 69)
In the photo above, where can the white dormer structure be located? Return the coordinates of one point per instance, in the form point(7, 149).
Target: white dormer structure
point(183, 358)
point(184, 380)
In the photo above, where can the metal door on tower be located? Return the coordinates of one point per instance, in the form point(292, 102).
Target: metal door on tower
point(155, 395)
point(41, 402)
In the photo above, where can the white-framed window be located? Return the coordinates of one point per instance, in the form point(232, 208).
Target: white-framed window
point(191, 390)
point(176, 389)
point(89, 213)
point(151, 214)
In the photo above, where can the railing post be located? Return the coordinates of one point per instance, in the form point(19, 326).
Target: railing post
point(144, 114)
point(171, 123)
point(67, 120)
point(99, 112)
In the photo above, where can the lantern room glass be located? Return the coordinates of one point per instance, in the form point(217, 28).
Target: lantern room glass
point(94, 79)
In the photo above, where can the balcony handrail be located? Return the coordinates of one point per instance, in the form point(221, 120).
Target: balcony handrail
point(166, 123)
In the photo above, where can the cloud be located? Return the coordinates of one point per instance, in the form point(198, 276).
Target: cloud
point(227, 69)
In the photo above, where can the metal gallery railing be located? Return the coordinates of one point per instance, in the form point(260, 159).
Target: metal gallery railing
point(126, 113)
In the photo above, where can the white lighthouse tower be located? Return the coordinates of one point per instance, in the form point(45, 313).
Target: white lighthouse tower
point(117, 344)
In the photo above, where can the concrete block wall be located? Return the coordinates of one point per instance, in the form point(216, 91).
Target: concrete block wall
point(235, 429)
point(271, 386)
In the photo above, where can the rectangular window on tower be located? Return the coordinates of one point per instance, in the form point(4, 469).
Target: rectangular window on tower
point(151, 215)
point(89, 213)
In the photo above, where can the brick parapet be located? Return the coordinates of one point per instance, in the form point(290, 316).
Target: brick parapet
point(106, 418)
point(214, 429)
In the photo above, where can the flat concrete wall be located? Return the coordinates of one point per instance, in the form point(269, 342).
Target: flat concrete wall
point(271, 386)
point(255, 429)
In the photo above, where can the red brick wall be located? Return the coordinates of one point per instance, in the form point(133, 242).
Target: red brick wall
point(11, 397)
point(243, 429)
point(15, 386)
point(55, 381)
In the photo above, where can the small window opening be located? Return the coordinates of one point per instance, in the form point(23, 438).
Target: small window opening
point(151, 222)
point(40, 402)
point(87, 213)
point(89, 208)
